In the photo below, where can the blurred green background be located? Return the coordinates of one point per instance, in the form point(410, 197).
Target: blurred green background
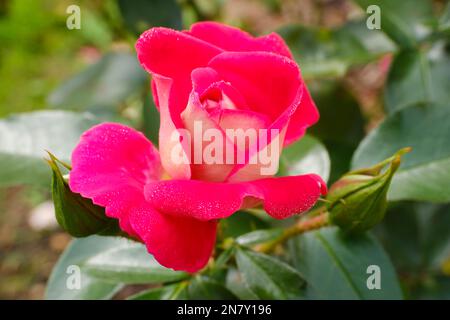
point(44, 65)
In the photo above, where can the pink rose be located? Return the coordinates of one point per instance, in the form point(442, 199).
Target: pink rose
point(221, 78)
point(225, 79)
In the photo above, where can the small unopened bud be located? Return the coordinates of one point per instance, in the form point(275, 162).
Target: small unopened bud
point(357, 201)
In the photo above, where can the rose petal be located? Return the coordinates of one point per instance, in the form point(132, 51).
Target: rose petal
point(305, 115)
point(110, 165)
point(174, 54)
point(170, 136)
point(204, 200)
point(264, 162)
point(176, 242)
point(197, 121)
point(163, 52)
point(268, 82)
point(234, 39)
point(207, 84)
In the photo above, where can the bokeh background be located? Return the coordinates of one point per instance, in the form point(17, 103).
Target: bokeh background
point(44, 65)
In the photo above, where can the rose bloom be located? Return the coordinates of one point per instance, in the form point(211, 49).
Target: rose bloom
point(222, 78)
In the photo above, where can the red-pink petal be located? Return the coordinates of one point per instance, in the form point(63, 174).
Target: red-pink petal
point(282, 197)
point(110, 165)
point(206, 82)
point(234, 39)
point(268, 82)
point(174, 54)
point(179, 243)
point(305, 115)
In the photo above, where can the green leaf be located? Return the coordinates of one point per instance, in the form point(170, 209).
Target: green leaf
point(305, 156)
point(259, 236)
point(205, 288)
point(90, 288)
point(335, 267)
point(140, 15)
point(268, 277)
point(236, 284)
point(75, 214)
point(130, 263)
point(325, 53)
point(416, 236)
point(169, 292)
point(425, 172)
point(105, 84)
point(25, 137)
point(407, 22)
point(418, 77)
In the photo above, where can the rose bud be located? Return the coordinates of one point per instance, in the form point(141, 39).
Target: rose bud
point(357, 201)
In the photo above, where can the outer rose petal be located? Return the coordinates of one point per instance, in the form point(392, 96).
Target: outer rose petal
point(234, 39)
point(304, 116)
point(176, 242)
point(110, 165)
point(282, 197)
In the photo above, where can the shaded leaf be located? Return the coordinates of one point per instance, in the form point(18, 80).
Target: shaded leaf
point(259, 236)
point(169, 292)
point(418, 77)
point(407, 22)
point(236, 284)
point(335, 267)
point(416, 235)
point(130, 263)
point(103, 85)
point(75, 254)
point(268, 277)
point(25, 137)
point(205, 288)
point(323, 52)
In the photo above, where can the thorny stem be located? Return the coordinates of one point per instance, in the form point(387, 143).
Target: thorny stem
point(315, 221)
